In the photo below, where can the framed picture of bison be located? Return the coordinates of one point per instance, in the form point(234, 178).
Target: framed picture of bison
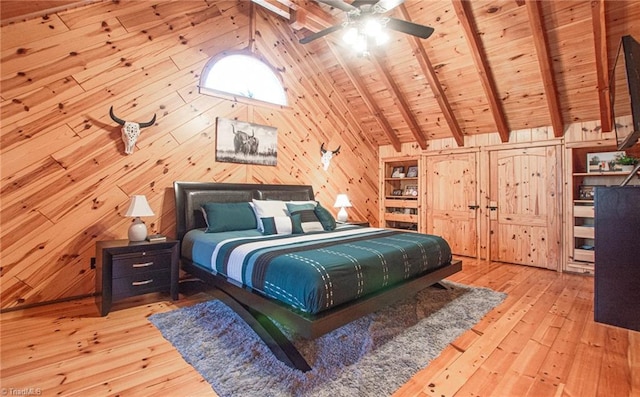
point(246, 143)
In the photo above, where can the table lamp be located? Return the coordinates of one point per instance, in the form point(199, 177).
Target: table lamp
point(137, 208)
point(342, 202)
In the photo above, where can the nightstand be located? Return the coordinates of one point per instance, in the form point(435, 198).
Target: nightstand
point(125, 269)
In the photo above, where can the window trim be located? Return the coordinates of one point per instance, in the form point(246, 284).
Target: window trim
point(235, 97)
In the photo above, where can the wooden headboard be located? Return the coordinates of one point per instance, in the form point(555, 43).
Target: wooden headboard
point(190, 196)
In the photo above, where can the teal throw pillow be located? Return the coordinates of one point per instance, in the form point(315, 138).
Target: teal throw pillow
point(282, 225)
point(227, 217)
point(325, 217)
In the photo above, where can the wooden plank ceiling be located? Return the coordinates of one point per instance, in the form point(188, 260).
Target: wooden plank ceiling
point(492, 66)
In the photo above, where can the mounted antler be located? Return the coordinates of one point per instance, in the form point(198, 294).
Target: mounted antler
point(327, 155)
point(130, 130)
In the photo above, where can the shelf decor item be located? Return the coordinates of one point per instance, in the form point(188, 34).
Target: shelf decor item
point(603, 162)
point(397, 171)
point(586, 192)
point(412, 172)
point(342, 202)
point(411, 190)
point(137, 208)
point(626, 162)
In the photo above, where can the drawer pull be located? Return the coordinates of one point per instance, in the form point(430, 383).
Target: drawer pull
point(138, 283)
point(146, 264)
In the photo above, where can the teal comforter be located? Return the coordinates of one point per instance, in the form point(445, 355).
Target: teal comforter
point(316, 271)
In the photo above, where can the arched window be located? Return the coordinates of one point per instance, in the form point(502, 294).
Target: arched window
point(243, 75)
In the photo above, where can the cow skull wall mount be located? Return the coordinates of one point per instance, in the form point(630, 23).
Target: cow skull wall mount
point(327, 155)
point(130, 130)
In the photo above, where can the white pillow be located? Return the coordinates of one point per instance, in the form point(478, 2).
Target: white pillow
point(268, 208)
point(312, 202)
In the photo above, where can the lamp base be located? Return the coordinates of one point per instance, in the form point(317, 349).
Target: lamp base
point(137, 230)
point(342, 215)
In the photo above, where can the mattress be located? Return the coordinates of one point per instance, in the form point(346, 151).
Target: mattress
point(317, 271)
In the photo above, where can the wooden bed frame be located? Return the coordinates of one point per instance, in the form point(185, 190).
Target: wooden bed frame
point(258, 310)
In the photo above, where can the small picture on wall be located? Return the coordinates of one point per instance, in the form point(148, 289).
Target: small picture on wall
point(246, 143)
point(412, 172)
point(603, 162)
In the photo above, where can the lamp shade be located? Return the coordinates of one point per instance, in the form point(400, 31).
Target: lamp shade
point(138, 207)
point(342, 201)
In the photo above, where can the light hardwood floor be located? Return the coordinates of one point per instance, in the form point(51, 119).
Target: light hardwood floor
point(541, 341)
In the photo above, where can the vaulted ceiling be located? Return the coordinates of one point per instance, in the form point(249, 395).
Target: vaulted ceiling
point(491, 65)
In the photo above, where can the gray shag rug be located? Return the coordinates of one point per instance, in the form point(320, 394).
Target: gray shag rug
point(372, 356)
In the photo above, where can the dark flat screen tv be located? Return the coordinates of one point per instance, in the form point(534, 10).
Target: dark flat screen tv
point(625, 90)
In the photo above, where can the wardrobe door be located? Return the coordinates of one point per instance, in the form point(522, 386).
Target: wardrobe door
point(524, 206)
point(452, 208)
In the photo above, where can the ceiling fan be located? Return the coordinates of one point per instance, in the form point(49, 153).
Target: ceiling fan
point(366, 22)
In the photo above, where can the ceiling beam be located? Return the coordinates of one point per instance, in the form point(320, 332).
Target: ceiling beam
point(463, 11)
point(368, 100)
point(276, 7)
point(534, 9)
point(598, 19)
point(400, 101)
point(434, 83)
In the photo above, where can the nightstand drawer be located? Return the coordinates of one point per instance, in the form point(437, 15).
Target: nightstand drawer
point(141, 284)
point(141, 262)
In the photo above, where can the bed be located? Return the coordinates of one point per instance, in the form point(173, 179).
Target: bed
point(274, 254)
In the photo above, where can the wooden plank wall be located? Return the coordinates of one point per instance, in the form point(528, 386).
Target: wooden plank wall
point(66, 181)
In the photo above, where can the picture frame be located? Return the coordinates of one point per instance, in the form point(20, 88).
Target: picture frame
point(604, 162)
point(397, 171)
point(246, 143)
point(396, 192)
point(412, 172)
point(411, 190)
point(586, 192)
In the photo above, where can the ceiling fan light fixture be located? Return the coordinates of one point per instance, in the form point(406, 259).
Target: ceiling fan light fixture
point(351, 35)
point(360, 45)
point(382, 38)
point(372, 27)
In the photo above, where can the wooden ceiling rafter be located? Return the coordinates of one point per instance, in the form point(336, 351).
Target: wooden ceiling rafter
point(252, 27)
point(400, 101)
point(534, 10)
point(436, 88)
point(465, 16)
point(369, 101)
point(598, 18)
point(277, 7)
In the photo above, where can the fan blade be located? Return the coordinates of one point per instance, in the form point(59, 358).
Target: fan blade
point(339, 4)
point(358, 3)
point(319, 34)
point(387, 5)
point(410, 28)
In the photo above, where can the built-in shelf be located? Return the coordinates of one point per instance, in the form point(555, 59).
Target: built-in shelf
point(582, 243)
point(401, 197)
